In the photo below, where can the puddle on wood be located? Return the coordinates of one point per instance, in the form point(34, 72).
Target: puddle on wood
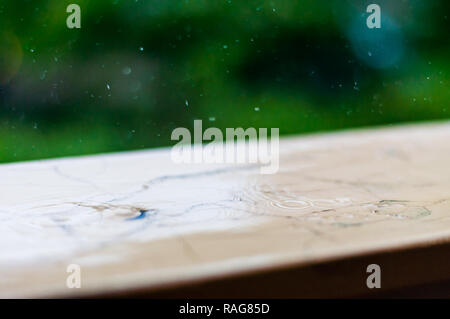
point(342, 211)
point(170, 206)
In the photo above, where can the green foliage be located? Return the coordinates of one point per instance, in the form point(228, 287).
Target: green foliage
point(138, 69)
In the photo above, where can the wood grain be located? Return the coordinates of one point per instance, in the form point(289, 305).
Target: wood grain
point(136, 222)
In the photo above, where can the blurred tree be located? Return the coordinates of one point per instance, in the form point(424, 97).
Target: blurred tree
point(138, 69)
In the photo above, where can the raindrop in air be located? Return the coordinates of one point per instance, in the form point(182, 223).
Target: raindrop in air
point(126, 70)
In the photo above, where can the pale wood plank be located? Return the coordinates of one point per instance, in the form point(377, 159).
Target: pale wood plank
point(336, 195)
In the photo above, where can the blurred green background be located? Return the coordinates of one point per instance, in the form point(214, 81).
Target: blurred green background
point(138, 69)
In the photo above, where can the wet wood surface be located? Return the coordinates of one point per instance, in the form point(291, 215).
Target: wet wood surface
point(136, 222)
